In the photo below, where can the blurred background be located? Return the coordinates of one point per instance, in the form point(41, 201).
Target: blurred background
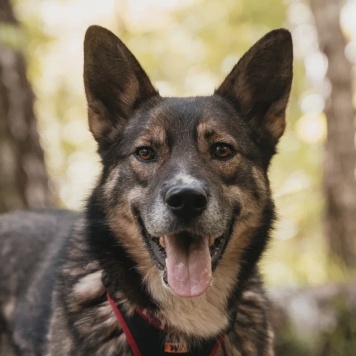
point(47, 155)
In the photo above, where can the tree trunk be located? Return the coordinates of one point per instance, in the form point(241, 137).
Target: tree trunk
point(340, 150)
point(23, 176)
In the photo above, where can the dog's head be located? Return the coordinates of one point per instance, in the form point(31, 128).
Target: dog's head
point(184, 182)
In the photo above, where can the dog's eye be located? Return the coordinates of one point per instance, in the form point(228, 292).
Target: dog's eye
point(145, 154)
point(222, 151)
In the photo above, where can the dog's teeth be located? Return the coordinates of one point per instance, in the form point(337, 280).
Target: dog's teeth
point(162, 242)
point(211, 241)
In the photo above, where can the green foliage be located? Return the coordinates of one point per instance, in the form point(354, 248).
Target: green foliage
point(286, 344)
point(31, 37)
point(12, 36)
point(341, 339)
point(338, 339)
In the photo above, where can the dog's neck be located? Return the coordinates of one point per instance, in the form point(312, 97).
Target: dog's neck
point(189, 320)
point(144, 332)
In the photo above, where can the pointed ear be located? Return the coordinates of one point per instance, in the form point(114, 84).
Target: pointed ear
point(115, 83)
point(259, 85)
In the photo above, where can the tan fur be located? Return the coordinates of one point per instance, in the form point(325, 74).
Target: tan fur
point(200, 315)
point(123, 224)
point(275, 119)
point(89, 286)
point(111, 182)
point(97, 118)
point(8, 308)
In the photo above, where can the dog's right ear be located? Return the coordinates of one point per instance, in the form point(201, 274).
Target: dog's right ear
point(115, 83)
point(260, 83)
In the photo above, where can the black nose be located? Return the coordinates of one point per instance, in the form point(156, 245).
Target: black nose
point(186, 201)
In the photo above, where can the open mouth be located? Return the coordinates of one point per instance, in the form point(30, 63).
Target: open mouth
point(157, 246)
point(187, 259)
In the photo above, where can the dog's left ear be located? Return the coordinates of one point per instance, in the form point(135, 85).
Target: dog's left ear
point(115, 83)
point(259, 85)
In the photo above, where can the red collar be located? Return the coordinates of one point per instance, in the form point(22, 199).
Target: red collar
point(146, 335)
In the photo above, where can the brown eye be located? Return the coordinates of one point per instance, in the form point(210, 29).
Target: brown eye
point(145, 154)
point(222, 151)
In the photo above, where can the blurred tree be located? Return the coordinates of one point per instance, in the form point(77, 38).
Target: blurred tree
point(340, 150)
point(23, 177)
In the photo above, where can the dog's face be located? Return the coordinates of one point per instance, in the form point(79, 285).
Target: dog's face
point(184, 183)
point(185, 157)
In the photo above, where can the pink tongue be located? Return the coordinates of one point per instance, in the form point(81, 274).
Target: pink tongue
point(188, 267)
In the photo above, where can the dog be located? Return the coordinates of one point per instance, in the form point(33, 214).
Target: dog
point(164, 258)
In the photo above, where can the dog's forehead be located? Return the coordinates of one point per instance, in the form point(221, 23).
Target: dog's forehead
point(183, 122)
point(197, 109)
point(189, 114)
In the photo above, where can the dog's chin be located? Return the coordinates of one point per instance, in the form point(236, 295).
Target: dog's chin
point(186, 259)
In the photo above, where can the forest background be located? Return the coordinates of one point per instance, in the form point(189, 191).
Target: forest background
point(47, 155)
